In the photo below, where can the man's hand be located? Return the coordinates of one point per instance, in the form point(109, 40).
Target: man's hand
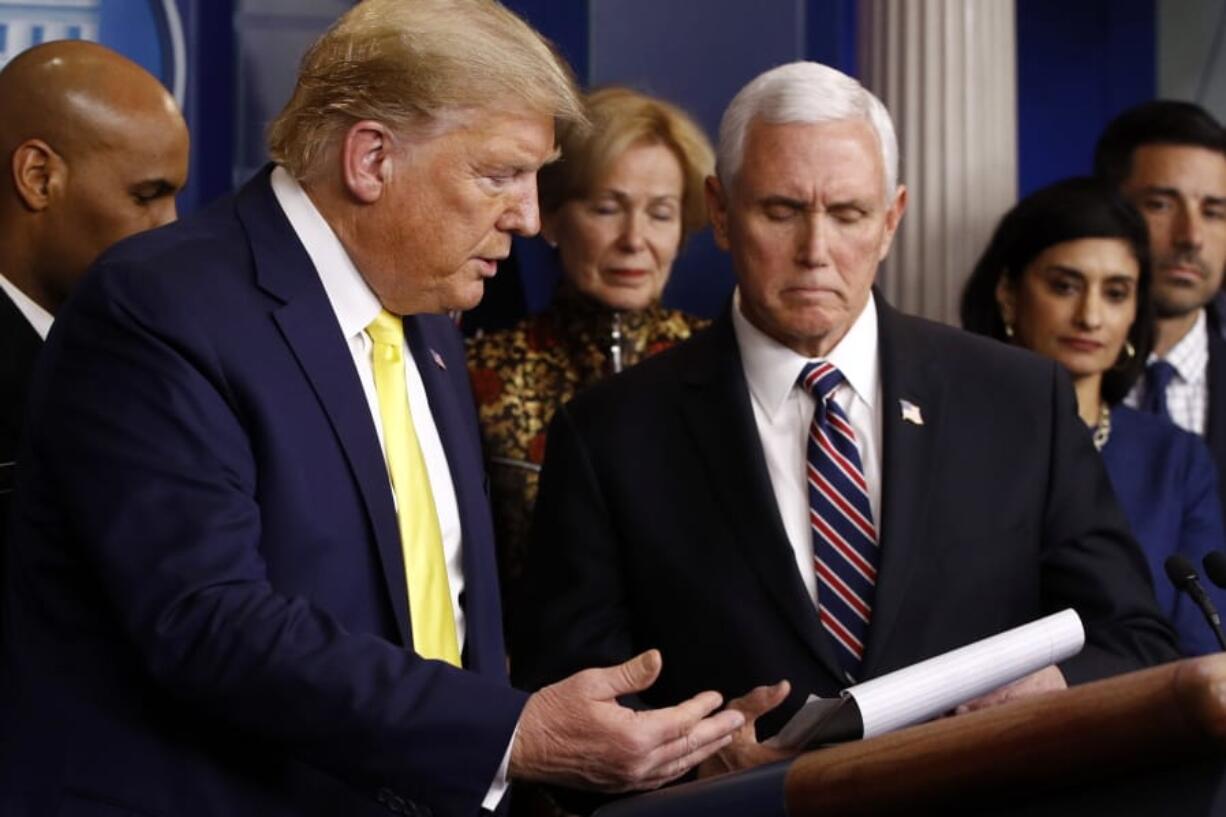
point(1048, 679)
point(576, 733)
point(744, 752)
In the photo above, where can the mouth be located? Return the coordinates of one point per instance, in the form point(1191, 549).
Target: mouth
point(1081, 344)
point(488, 267)
point(628, 273)
point(1184, 273)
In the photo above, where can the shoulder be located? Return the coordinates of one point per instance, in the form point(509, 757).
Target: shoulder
point(975, 361)
point(182, 268)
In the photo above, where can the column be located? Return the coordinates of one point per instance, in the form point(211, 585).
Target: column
point(946, 70)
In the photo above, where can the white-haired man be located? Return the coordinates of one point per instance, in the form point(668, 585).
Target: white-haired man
point(252, 567)
point(820, 489)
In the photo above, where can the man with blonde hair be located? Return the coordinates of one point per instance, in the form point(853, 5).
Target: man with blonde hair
point(252, 557)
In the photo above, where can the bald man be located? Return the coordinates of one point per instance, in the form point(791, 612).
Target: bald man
point(95, 150)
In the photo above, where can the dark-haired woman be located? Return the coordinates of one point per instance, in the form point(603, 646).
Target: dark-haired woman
point(1067, 275)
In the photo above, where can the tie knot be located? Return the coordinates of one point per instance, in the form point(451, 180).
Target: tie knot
point(387, 329)
point(1158, 375)
point(820, 379)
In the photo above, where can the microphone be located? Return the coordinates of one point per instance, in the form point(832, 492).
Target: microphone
point(1215, 567)
point(1181, 573)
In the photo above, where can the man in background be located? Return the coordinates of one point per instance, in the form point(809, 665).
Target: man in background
point(94, 150)
point(1169, 159)
point(252, 558)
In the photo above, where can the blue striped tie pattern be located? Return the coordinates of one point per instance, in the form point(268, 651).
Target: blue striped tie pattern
point(844, 535)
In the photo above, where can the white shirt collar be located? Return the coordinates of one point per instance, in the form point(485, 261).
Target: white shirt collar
point(771, 369)
point(38, 317)
point(1190, 356)
point(355, 305)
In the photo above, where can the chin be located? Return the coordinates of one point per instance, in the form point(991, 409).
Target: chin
point(466, 298)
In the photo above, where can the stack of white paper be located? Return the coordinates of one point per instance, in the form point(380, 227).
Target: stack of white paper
point(935, 686)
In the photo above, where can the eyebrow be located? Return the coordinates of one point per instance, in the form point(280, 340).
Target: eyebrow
point(1174, 193)
point(623, 194)
point(1060, 269)
point(155, 187)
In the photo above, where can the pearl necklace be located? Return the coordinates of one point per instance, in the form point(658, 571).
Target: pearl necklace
point(1102, 429)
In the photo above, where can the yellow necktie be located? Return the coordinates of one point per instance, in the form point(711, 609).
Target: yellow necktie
point(421, 540)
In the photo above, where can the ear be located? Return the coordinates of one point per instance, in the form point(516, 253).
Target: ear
point(39, 174)
point(1006, 299)
point(367, 158)
point(717, 210)
point(893, 217)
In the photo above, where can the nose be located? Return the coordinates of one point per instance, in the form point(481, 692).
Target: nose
point(813, 248)
point(1188, 228)
point(1090, 311)
point(632, 234)
point(522, 215)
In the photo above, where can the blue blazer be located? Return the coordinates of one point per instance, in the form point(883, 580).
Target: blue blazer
point(206, 611)
point(1168, 488)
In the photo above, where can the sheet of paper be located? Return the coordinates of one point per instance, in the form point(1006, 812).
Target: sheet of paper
point(927, 689)
point(930, 688)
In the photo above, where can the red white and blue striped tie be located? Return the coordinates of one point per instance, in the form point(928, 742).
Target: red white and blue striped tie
point(844, 536)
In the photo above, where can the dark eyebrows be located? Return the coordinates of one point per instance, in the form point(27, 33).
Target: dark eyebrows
point(1158, 190)
point(1069, 272)
point(154, 188)
point(783, 201)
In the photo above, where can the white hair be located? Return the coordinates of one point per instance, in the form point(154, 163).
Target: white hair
point(805, 92)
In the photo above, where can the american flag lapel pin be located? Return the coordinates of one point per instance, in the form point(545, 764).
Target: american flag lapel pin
point(911, 413)
point(438, 359)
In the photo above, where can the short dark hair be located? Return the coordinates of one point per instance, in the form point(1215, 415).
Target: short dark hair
point(1158, 122)
point(1065, 211)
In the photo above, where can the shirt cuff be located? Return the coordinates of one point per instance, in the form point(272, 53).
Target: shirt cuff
point(499, 787)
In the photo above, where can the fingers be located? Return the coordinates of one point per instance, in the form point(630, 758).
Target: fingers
point(760, 700)
point(634, 675)
point(673, 769)
point(699, 740)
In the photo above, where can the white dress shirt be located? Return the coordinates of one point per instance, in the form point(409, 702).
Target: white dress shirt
point(783, 411)
point(356, 307)
point(38, 317)
point(1187, 397)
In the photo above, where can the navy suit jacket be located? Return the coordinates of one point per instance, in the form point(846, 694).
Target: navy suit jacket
point(1168, 488)
point(657, 526)
point(20, 345)
point(206, 607)
point(1215, 426)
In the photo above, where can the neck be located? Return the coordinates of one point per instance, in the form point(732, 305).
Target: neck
point(19, 266)
point(1169, 331)
point(1089, 398)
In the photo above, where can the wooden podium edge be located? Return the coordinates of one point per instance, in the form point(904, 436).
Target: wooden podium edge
point(1149, 719)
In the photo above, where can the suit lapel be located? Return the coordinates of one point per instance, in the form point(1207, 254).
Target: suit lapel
point(308, 323)
point(909, 449)
point(440, 360)
point(717, 411)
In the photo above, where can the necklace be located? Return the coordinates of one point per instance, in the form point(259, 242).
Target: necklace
point(1102, 429)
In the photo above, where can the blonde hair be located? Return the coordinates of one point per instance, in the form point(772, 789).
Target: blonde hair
point(621, 119)
point(411, 63)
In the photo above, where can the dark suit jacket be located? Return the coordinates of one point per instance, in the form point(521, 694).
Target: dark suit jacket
point(19, 346)
point(207, 611)
point(656, 524)
point(1215, 426)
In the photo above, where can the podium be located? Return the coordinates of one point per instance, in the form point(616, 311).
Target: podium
point(1150, 742)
